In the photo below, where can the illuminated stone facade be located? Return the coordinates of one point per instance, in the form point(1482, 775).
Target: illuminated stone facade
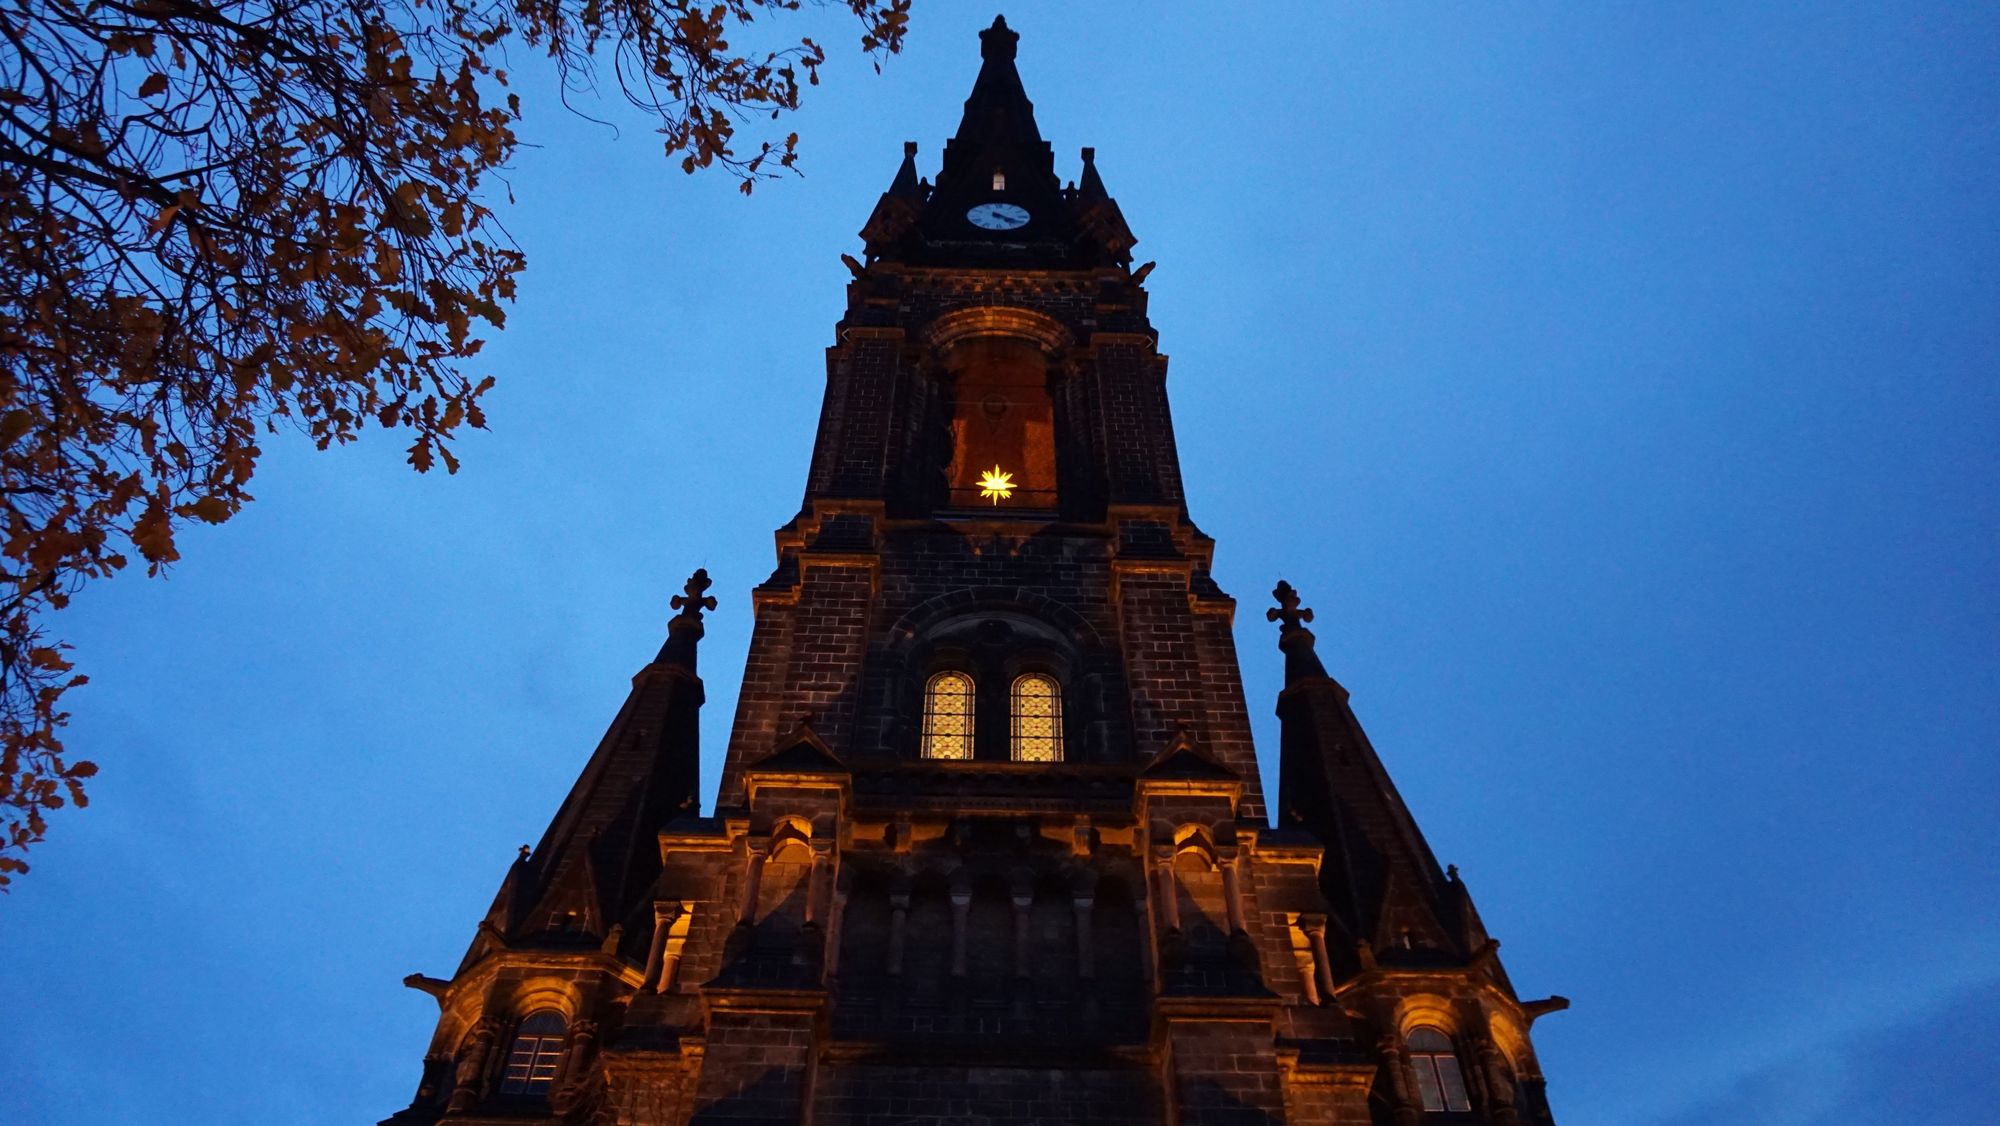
point(990, 845)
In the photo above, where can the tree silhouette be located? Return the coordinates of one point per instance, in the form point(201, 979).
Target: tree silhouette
point(222, 219)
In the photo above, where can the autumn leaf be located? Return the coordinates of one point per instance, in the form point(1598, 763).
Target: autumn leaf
point(212, 509)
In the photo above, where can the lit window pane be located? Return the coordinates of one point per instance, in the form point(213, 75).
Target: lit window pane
point(1427, 1082)
point(531, 1062)
point(948, 716)
point(1037, 719)
point(1440, 1083)
point(1453, 1083)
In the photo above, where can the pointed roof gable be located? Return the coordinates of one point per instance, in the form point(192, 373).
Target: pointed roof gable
point(1182, 761)
point(801, 752)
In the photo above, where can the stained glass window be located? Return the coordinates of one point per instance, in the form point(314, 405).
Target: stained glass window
point(1037, 719)
point(1439, 1080)
point(948, 716)
point(531, 1065)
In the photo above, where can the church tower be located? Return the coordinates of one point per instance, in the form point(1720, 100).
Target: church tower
point(990, 843)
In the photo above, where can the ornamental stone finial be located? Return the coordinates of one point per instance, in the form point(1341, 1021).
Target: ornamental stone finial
point(1301, 663)
point(696, 599)
point(1288, 609)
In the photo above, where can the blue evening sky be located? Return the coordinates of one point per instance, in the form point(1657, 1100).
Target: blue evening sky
point(1619, 383)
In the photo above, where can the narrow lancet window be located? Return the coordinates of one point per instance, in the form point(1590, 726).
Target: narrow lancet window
point(1037, 719)
point(531, 1065)
point(999, 181)
point(948, 716)
point(1439, 1081)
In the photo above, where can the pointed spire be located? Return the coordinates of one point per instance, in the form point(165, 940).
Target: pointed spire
point(906, 184)
point(1099, 215)
point(1092, 186)
point(998, 111)
point(1294, 639)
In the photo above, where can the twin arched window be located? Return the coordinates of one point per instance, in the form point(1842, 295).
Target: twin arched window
point(1034, 709)
point(531, 1063)
point(1440, 1083)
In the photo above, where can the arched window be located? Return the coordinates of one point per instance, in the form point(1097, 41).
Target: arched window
point(1036, 711)
point(531, 1065)
point(1439, 1081)
point(948, 716)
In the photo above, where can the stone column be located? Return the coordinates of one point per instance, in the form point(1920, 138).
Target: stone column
point(1023, 906)
point(1086, 953)
point(1232, 893)
point(1168, 894)
point(470, 1083)
point(570, 1072)
point(1498, 1081)
point(1147, 939)
point(1315, 928)
point(961, 906)
point(753, 875)
point(822, 865)
point(1402, 1080)
point(670, 954)
point(833, 917)
point(1305, 959)
point(899, 915)
point(665, 911)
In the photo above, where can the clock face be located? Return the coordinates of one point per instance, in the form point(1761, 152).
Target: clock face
point(998, 216)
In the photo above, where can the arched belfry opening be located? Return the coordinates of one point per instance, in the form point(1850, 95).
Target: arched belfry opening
point(996, 366)
point(1002, 422)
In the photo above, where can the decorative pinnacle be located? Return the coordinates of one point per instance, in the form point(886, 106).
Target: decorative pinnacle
point(999, 40)
point(695, 601)
point(1288, 609)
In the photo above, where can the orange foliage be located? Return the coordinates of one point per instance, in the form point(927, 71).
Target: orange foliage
point(223, 219)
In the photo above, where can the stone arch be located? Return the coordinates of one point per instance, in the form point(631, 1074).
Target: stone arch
point(1010, 322)
point(1428, 1010)
point(967, 601)
point(534, 994)
point(1194, 843)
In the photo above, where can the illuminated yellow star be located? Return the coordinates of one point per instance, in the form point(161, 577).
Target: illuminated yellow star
point(995, 484)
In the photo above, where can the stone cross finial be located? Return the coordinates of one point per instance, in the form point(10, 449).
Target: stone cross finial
point(1287, 610)
point(694, 602)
